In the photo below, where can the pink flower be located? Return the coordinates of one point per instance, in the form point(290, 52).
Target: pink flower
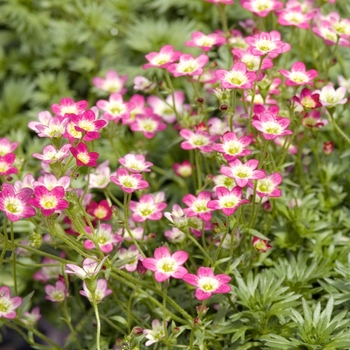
point(163, 58)
point(100, 211)
point(48, 272)
point(237, 40)
point(312, 120)
point(205, 42)
point(183, 169)
point(89, 270)
point(53, 127)
point(149, 124)
point(243, 172)
point(330, 97)
point(104, 237)
point(267, 44)
point(28, 181)
point(112, 83)
point(50, 181)
point(143, 84)
point(271, 126)
point(261, 7)
point(132, 255)
point(155, 334)
point(100, 176)
point(135, 163)
point(224, 181)
point(267, 187)
point(188, 65)
point(177, 216)
point(138, 103)
point(251, 61)
point(52, 155)
point(207, 283)
point(57, 293)
point(83, 156)
point(100, 292)
point(49, 201)
point(260, 245)
point(326, 31)
point(31, 318)
point(6, 146)
point(294, 16)
point(175, 235)
point(197, 206)
point(232, 147)
point(6, 163)
point(228, 201)
point(199, 139)
point(129, 183)
point(328, 148)
point(299, 75)
point(115, 109)
point(308, 99)
point(69, 106)
point(8, 304)
point(166, 265)
point(14, 204)
point(237, 77)
point(88, 124)
point(146, 209)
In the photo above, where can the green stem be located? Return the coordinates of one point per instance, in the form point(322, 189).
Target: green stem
point(14, 258)
point(98, 321)
point(165, 289)
point(222, 239)
point(233, 103)
point(198, 169)
point(3, 252)
point(69, 323)
point(341, 132)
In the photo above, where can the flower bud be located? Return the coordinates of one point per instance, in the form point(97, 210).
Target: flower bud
point(223, 107)
point(328, 148)
point(35, 240)
point(137, 330)
point(200, 100)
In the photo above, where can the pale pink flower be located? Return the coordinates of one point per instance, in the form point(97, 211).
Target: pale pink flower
point(15, 204)
point(50, 182)
point(115, 109)
point(166, 265)
point(100, 292)
point(228, 201)
point(196, 224)
point(8, 304)
point(175, 235)
point(183, 169)
point(163, 58)
point(135, 163)
point(136, 232)
point(28, 182)
point(131, 254)
point(272, 126)
point(139, 107)
point(177, 217)
point(199, 139)
point(294, 16)
point(55, 127)
point(112, 83)
point(155, 334)
point(330, 97)
point(251, 61)
point(57, 293)
point(197, 206)
point(48, 272)
point(44, 118)
point(143, 84)
point(205, 42)
point(224, 181)
point(90, 268)
point(31, 318)
point(218, 126)
point(237, 40)
point(100, 176)
point(261, 7)
point(298, 75)
point(325, 30)
point(237, 77)
point(148, 124)
point(67, 105)
point(267, 44)
point(104, 237)
point(83, 156)
point(267, 187)
point(188, 65)
point(341, 26)
point(341, 81)
point(52, 155)
point(6, 146)
point(6, 164)
point(207, 283)
point(243, 172)
point(232, 147)
point(129, 183)
point(146, 209)
point(281, 141)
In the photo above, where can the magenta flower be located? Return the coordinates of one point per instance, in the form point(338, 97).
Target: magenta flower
point(207, 283)
point(294, 16)
point(298, 75)
point(146, 209)
point(57, 293)
point(52, 155)
point(313, 120)
point(243, 172)
point(6, 163)
point(267, 44)
point(69, 106)
point(260, 245)
point(197, 206)
point(271, 126)
point(166, 265)
point(6, 146)
point(163, 58)
point(129, 183)
point(267, 187)
point(115, 109)
point(131, 254)
point(199, 139)
point(261, 8)
point(135, 163)
point(205, 42)
point(14, 204)
point(112, 83)
point(228, 201)
point(149, 124)
point(49, 201)
point(83, 156)
point(188, 65)
point(101, 211)
point(100, 292)
point(251, 61)
point(104, 236)
point(308, 99)
point(88, 124)
point(138, 103)
point(232, 147)
point(8, 304)
point(237, 77)
point(183, 169)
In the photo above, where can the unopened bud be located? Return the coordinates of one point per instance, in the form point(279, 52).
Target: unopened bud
point(35, 240)
point(328, 148)
point(200, 100)
point(75, 176)
point(137, 330)
point(223, 107)
point(9, 178)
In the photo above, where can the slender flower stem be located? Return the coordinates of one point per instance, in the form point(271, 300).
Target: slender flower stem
point(14, 258)
point(233, 103)
point(165, 289)
point(332, 56)
point(336, 126)
point(98, 321)
point(171, 87)
point(198, 169)
point(4, 249)
point(222, 239)
point(69, 323)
